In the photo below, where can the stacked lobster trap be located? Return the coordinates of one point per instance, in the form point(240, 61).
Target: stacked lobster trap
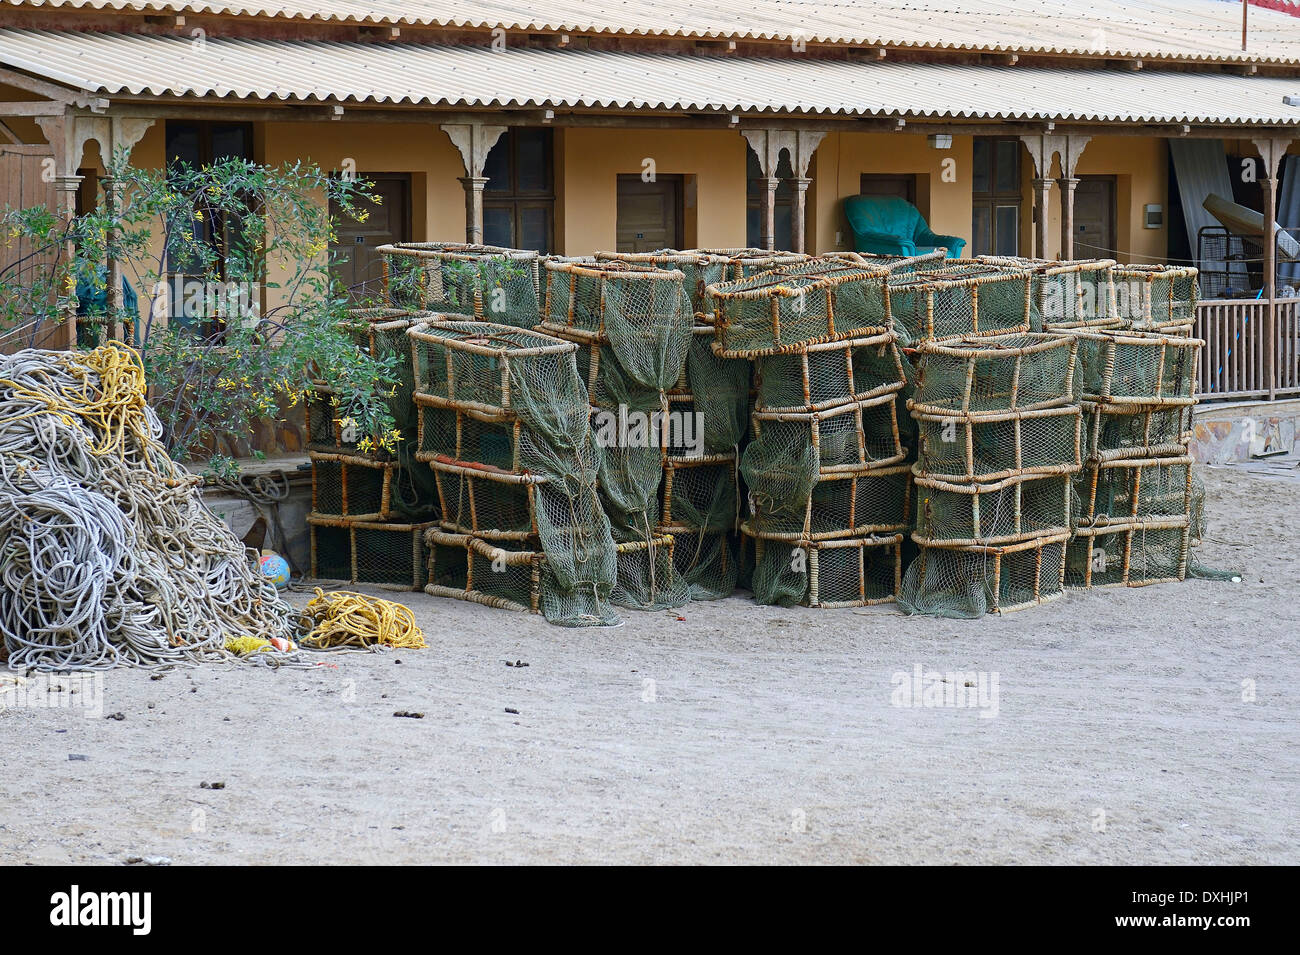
point(369, 506)
point(827, 485)
point(631, 324)
point(1138, 497)
point(484, 282)
point(503, 425)
point(999, 440)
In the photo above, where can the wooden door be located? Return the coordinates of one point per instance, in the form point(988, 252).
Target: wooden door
point(649, 214)
point(1094, 218)
point(359, 268)
point(26, 180)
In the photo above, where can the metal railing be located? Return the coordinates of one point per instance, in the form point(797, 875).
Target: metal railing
point(1236, 361)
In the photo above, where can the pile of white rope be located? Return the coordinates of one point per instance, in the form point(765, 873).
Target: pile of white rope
point(108, 554)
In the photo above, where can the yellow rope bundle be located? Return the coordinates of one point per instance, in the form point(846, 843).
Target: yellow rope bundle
point(342, 618)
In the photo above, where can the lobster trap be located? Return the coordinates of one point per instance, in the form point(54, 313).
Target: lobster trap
point(1127, 489)
point(970, 581)
point(643, 313)
point(1134, 554)
point(1114, 431)
point(785, 505)
point(854, 572)
point(1076, 294)
point(513, 578)
point(484, 367)
point(991, 445)
point(959, 301)
point(924, 262)
point(815, 301)
point(1008, 511)
point(707, 562)
point(485, 501)
point(1156, 297)
point(366, 552)
point(716, 389)
point(486, 282)
point(819, 376)
point(351, 486)
point(1020, 372)
point(841, 438)
point(647, 578)
point(1134, 367)
point(700, 493)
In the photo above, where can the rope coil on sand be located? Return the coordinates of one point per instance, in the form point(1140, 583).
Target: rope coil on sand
point(108, 554)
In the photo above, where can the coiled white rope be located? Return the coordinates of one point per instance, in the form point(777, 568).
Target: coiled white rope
point(108, 554)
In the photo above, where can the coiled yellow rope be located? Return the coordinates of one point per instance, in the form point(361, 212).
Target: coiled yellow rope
point(342, 618)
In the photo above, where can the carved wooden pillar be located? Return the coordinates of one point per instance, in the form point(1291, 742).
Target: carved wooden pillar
point(474, 141)
point(1072, 148)
point(1271, 151)
point(799, 145)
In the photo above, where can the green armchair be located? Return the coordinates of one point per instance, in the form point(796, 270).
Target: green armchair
point(887, 225)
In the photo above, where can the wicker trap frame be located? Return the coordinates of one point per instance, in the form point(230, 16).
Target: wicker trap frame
point(487, 282)
point(926, 261)
point(351, 486)
point(990, 445)
point(855, 572)
point(485, 501)
point(1134, 554)
point(999, 373)
point(1008, 511)
point(1079, 293)
point(616, 301)
point(815, 301)
point(707, 562)
point(842, 438)
point(959, 301)
point(784, 506)
point(1113, 431)
point(1157, 297)
point(1126, 490)
point(820, 376)
point(700, 493)
point(365, 552)
point(970, 581)
point(1123, 367)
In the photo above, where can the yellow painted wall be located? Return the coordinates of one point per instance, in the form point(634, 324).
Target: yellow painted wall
point(589, 161)
point(842, 158)
point(437, 198)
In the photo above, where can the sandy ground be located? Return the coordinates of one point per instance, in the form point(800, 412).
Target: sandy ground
point(767, 736)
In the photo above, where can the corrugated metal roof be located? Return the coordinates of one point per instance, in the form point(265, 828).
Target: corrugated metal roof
point(1184, 29)
point(115, 64)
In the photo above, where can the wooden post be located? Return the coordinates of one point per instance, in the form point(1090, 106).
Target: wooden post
point(767, 219)
point(1271, 151)
point(1068, 185)
point(1042, 195)
point(799, 214)
point(473, 186)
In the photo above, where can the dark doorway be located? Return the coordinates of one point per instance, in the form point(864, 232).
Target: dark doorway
point(1094, 218)
point(389, 220)
point(900, 186)
point(649, 213)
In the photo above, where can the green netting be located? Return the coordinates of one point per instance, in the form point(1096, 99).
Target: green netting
point(993, 445)
point(1156, 297)
point(700, 493)
point(827, 574)
point(708, 562)
point(847, 437)
point(643, 313)
point(363, 552)
point(786, 504)
point(999, 512)
point(347, 485)
point(995, 373)
point(1133, 367)
point(1133, 554)
point(647, 578)
point(1135, 431)
point(814, 301)
point(485, 282)
point(968, 582)
point(718, 389)
point(814, 377)
point(1124, 490)
point(959, 301)
point(1074, 294)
